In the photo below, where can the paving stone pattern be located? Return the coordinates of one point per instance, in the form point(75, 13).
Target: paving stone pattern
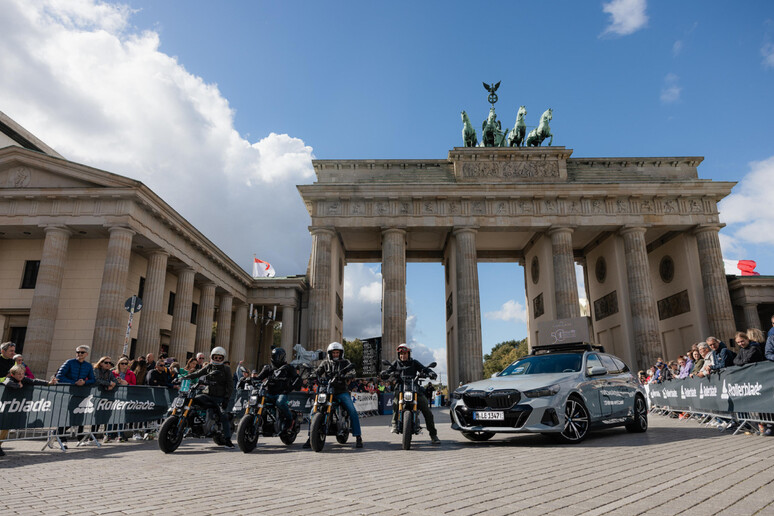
point(676, 467)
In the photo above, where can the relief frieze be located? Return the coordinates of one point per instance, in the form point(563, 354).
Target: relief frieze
point(511, 169)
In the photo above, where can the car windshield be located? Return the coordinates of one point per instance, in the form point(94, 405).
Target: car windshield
point(545, 364)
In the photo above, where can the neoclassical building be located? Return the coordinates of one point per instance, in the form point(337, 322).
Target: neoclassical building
point(77, 242)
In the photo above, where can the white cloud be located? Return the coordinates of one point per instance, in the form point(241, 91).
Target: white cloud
point(78, 77)
point(767, 51)
point(627, 16)
point(670, 91)
point(362, 301)
point(749, 211)
point(510, 311)
point(677, 48)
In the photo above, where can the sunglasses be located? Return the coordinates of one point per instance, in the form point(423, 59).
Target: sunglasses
point(218, 357)
point(108, 363)
point(80, 352)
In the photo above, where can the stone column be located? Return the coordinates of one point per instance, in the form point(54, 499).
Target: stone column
point(179, 343)
point(148, 336)
point(108, 338)
point(565, 285)
point(393, 288)
point(45, 300)
point(240, 334)
point(223, 335)
point(204, 317)
point(288, 329)
point(647, 342)
point(751, 319)
point(469, 307)
point(720, 315)
point(320, 295)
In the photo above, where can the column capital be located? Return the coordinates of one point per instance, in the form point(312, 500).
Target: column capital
point(158, 252)
point(632, 229)
point(701, 228)
point(321, 230)
point(120, 228)
point(56, 228)
point(457, 230)
point(560, 229)
point(401, 231)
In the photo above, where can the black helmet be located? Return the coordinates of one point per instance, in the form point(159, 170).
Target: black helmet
point(278, 357)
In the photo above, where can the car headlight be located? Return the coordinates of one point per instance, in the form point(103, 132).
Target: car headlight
point(457, 394)
point(544, 391)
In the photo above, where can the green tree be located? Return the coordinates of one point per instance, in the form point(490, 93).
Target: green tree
point(277, 337)
point(504, 354)
point(353, 351)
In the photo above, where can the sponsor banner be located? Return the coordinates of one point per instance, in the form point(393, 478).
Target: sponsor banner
point(365, 402)
point(42, 406)
point(748, 388)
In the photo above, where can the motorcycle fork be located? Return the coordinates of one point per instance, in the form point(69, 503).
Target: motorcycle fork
point(400, 402)
point(188, 408)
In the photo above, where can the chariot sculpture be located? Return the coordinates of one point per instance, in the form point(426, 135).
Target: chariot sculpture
point(492, 134)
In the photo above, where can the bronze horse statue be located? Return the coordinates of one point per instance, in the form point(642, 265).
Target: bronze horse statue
point(468, 133)
point(516, 135)
point(542, 131)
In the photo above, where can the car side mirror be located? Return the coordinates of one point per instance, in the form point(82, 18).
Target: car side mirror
point(432, 364)
point(597, 371)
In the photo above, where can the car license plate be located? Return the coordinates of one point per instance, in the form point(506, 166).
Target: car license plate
point(489, 416)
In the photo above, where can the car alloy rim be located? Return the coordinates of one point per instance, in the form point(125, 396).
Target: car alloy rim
point(576, 421)
point(642, 414)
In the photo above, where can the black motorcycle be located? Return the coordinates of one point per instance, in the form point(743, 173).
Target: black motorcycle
point(189, 419)
point(408, 404)
point(329, 417)
point(262, 418)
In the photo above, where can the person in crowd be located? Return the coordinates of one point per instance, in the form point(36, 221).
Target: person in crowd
point(756, 337)
point(123, 374)
point(304, 385)
point(159, 376)
point(78, 370)
point(7, 352)
point(771, 330)
point(685, 365)
point(241, 373)
point(708, 361)
point(723, 357)
point(674, 369)
point(140, 369)
point(768, 349)
point(199, 360)
point(330, 368)
point(405, 365)
point(642, 376)
point(19, 360)
point(150, 361)
point(16, 379)
point(662, 373)
point(282, 379)
point(185, 382)
point(747, 352)
point(103, 374)
point(220, 386)
point(698, 362)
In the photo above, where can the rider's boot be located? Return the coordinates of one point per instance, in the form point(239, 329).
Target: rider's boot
point(307, 444)
point(434, 439)
point(394, 429)
point(358, 442)
point(227, 443)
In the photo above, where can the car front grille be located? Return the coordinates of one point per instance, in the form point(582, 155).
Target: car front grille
point(500, 399)
point(514, 418)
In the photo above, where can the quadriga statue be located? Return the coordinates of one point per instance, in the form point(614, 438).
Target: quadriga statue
point(468, 133)
point(542, 131)
point(516, 135)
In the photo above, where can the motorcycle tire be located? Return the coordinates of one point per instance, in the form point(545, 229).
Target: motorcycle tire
point(317, 432)
point(342, 436)
point(170, 434)
point(247, 433)
point(289, 437)
point(408, 430)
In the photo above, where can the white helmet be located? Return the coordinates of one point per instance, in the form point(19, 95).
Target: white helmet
point(218, 351)
point(335, 346)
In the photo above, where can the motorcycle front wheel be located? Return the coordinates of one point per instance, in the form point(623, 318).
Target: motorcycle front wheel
point(317, 435)
point(171, 434)
point(289, 437)
point(408, 429)
point(247, 433)
point(342, 436)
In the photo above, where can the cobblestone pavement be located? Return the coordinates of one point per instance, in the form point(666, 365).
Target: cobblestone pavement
point(675, 467)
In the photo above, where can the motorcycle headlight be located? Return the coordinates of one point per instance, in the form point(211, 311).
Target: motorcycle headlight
point(543, 391)
point(253, 399)
point(178, 402)
point(408, 396)
point(321, 398)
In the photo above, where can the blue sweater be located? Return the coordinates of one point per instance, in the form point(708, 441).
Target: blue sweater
point(72, 371)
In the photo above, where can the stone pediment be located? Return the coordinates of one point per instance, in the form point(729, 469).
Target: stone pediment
point(24, 169)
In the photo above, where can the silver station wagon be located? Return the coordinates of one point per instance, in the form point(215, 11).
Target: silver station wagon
point(563, 391)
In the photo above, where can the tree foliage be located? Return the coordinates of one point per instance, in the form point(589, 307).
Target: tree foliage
point(504, 354)
point(353, 351)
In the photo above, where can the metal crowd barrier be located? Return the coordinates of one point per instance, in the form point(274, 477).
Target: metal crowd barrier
point(740, 421)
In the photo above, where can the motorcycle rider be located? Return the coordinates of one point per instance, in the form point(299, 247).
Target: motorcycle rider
point(409, 367)
point(282, 379)
point(330, 368)
point(220, 386)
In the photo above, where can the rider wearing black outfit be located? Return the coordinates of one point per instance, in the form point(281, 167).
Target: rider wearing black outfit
point(217, 375)
point(282, 379)
point(407, 366)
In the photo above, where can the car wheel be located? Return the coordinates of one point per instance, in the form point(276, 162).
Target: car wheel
point(478, 437)
point(576, 421)
point(640, 422)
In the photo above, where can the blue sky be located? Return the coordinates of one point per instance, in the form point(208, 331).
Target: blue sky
point(219, 107)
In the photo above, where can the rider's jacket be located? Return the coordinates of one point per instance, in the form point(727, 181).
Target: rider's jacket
point(218, 377)
point(282, 379)
point(408, 367)
point(330, 368)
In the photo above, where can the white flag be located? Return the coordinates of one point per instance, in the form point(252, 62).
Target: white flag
point(262, 269)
